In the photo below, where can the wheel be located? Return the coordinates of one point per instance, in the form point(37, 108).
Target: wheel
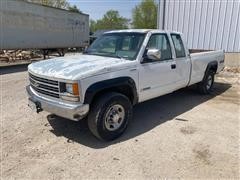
point(109, 116)
point(206, 85)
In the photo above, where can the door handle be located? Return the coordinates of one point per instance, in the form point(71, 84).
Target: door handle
point(173, 66)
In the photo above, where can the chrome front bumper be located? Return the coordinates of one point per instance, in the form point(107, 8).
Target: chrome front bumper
point(70, 111)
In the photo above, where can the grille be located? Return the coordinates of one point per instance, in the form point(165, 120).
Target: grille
point(44, 86)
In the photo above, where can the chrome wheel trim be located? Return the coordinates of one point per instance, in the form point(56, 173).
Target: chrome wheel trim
point(209, 82)
point(114, 117)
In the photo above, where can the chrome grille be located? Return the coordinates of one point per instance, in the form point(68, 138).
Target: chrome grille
point(44, 86)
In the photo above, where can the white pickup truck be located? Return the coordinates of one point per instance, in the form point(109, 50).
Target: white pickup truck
point(120, 69)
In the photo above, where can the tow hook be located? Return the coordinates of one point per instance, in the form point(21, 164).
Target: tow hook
point(38, 107)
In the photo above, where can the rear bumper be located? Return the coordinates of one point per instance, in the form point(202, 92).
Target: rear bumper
point(220, 66)
point(70, 111)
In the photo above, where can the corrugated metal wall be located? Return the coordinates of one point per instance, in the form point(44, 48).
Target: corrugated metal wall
point(206, 24)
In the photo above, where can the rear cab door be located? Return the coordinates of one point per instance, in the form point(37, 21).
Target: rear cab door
point(157, 77)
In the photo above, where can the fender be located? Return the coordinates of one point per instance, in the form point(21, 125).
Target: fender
point(125, 85)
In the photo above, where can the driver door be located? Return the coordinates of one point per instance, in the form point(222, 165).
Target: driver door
point(157, 76)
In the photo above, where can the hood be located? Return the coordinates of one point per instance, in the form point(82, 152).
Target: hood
point(75, 67)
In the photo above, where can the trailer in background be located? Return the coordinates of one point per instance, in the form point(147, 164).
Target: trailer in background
point(25, 25)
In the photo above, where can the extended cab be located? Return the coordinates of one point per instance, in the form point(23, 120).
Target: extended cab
point(120, 69)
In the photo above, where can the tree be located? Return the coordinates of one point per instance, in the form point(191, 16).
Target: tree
point(63, 4)
point(93, 27)
point(74, 8)
point(111, 20)
point(145, 15)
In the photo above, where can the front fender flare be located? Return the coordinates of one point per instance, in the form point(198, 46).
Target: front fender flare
point(109, 84)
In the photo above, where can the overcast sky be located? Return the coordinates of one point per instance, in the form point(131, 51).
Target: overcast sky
point(97, 8)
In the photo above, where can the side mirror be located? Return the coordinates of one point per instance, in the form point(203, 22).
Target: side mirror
point(153, 54)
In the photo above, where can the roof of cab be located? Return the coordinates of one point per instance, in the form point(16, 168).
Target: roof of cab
point(140, 31)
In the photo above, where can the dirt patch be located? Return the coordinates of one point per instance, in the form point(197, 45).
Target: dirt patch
point(203, 154)
point(188, 130)
point(232, 69)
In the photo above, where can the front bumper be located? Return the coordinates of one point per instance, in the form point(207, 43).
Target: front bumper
point(70, 111)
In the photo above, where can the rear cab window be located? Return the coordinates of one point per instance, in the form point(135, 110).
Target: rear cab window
point(178, 45)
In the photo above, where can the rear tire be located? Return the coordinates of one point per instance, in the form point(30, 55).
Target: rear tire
point(205, 87)
point(109, 116)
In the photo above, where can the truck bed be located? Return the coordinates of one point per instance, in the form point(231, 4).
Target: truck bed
point(191, 51)
point(201, 58)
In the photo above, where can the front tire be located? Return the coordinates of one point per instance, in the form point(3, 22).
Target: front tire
point(109, 116)
point(205, 87)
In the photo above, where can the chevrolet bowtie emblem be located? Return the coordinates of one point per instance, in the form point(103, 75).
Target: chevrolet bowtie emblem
point(35, 84)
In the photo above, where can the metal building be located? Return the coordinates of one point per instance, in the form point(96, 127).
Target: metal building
point(206, 24)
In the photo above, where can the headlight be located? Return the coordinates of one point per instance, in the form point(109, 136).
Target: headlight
point(70, 92)
point(72, 89)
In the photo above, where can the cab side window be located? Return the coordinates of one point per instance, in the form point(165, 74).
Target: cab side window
point(161, 43)
point(178, 45)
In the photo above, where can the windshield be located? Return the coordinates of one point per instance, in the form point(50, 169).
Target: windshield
point(121, 45)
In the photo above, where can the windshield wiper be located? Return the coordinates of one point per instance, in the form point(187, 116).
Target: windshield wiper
point(121, 57)
point(101, 54)
point(117, 56)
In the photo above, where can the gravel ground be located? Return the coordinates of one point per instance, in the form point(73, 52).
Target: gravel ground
point(180, 135)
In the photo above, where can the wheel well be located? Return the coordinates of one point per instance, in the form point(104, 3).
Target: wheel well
point(125, 90)
point(123, 85)
point(213, 67)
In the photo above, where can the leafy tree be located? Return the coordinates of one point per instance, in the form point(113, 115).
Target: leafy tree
point(145, 15)
point(111, 20)
point(74, 8)
point(93, 27)
point(63, 4)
